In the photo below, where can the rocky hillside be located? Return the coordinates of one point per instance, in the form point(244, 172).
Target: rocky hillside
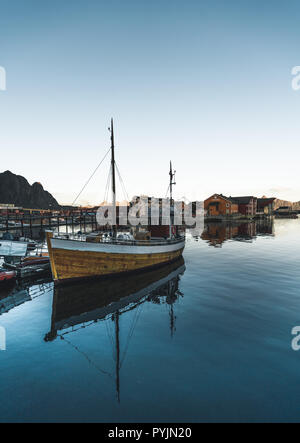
point(16, 189)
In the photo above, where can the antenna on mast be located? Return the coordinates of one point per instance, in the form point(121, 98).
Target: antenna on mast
point(172, 182)
point(172, 177)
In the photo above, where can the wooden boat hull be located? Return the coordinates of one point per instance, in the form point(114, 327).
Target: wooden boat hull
point(72, 259)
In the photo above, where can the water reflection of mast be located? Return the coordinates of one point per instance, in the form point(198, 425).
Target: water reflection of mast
point(173, 294)
point(172, 320)
point(83, 306)
point(115, 318)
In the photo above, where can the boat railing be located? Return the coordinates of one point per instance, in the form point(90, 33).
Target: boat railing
point(118, 241)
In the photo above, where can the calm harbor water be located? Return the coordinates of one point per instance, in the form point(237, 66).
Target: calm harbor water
point(207, 339)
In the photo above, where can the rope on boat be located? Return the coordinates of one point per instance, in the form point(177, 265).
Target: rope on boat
point(91, 177)
point(107, 186)
point(122, 183)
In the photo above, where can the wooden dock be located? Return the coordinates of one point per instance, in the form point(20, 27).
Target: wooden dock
point(24, 224)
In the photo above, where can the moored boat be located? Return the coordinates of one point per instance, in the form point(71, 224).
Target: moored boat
point(7, 275)
point(85, 257)
point(29, 266)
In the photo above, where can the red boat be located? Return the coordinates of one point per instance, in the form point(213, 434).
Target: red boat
point(6, 275)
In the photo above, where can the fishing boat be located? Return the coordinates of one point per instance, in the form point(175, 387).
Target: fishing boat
point(35, 262)
point(86, 257)
point(30, 266)
point(12, 248)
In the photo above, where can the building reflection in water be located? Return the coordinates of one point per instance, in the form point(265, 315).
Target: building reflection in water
point(216, 233)
point(13, 295)
point(81, 305)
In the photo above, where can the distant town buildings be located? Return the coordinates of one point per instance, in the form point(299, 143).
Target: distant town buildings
point(265, 206)
point(246, 205)
point(218, 205)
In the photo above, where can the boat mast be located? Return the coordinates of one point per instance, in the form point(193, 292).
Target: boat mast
point(113, 177)
point(172, 177)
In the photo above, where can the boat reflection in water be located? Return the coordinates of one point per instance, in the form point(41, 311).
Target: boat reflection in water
point(216, 233)
point(84, 304)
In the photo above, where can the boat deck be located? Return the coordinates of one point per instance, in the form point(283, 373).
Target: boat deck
point(119, 241)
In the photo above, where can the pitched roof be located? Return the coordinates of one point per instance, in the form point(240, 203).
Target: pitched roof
point(243, 200)
point(261, 202)
point(222, 196)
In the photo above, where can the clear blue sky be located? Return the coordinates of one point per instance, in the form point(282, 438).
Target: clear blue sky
point(204, 83)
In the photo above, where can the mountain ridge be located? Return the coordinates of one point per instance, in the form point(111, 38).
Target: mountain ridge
point(15, 189)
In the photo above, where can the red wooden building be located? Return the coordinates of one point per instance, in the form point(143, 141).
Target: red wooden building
point(247, 205)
